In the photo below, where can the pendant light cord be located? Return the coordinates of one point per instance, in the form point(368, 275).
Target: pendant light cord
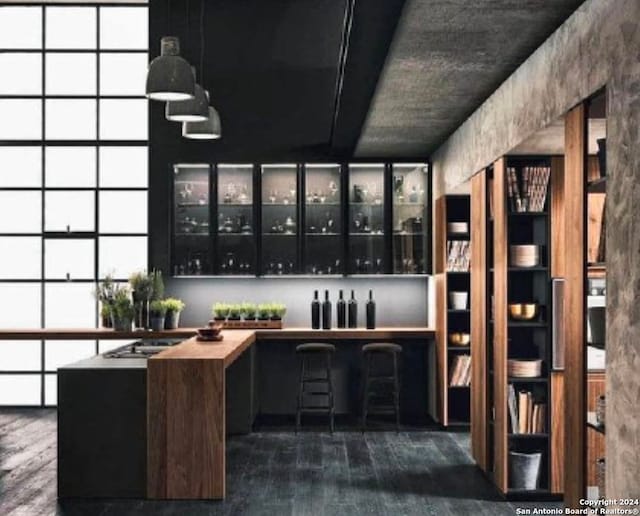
point(202, 3)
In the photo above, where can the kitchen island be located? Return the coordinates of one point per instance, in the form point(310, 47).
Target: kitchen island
point(157, 427)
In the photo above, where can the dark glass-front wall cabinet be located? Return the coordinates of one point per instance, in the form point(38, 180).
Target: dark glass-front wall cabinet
point(292, 219)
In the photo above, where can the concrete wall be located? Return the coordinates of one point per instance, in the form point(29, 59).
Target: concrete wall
point(599, 45)
point(399, 301)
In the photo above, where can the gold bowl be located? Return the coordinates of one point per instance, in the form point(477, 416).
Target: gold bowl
point(459, 338)
point(523, 311)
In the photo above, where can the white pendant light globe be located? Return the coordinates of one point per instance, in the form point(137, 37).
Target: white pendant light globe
point(170, 76)
point(210, 129)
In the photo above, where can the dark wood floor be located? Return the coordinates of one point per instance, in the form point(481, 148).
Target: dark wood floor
point(273, 473)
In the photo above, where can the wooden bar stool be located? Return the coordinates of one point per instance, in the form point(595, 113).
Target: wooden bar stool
point(322, 353)
point(381, 370)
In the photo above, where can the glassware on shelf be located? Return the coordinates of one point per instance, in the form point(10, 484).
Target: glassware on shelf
point(289, 226)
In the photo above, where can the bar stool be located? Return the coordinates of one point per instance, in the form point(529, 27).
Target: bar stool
point(383, 356)
point(322, 353)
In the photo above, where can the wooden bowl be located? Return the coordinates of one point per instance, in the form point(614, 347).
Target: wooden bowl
point(459, 339)
point(523, 311)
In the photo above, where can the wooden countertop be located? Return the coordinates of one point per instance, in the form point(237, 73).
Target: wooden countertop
point(283, 334)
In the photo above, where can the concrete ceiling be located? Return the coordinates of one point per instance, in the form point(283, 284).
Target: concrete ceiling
point(446, 58)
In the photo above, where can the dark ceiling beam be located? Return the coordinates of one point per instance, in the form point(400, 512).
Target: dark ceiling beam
point(370, 34)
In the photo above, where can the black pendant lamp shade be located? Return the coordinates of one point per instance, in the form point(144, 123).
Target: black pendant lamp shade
point(210, 129)
point(191, 110)
point(170, 76)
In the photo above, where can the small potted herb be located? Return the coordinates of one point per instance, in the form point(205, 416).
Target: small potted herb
point(174, 308)
point(157, 312)
point(105, 293)
point(141, 291)
point(122, 310)
point(105, 315)
point(249, 311)
point(264, 311)
point(157, 285)
point(220, 311)
point(277, 311)
point(235, 310)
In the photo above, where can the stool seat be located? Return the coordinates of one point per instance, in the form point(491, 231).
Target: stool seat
point(386, 347)
point(315, 347)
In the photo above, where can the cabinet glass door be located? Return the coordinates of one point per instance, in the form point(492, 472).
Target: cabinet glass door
point(323, 219)
point(192, 242)
point(409, 187)
point(366, 219)
point(235, 246)
point(279, 219)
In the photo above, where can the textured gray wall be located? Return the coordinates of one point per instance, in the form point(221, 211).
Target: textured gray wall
point(598, 45)
point(400, 301)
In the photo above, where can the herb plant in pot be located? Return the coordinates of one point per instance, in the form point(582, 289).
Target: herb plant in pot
point(105, 293)
point(157, 312)
point(173, 308)
point(264, 311)
point(277, 311)
point(220, 311)
point(141, 290)
point(234, 312)
point(105, 315)
point(122, 310)
point(249, 311)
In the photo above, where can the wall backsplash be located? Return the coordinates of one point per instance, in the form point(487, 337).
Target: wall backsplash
point(401, 301)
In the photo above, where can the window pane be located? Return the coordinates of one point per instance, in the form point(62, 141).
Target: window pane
point(20, 212)
point(70, 119)
point(69, 211)
point(20, 305)
point(20, 167)
point(121, 256)
point(69, 305)
point(20, 119)
point(70, 74)
point(124, 27)
point(58, 353)
point(123, 119)
point(123, 212)
point(20, 27)
point(70, 167)
point(71, 27)
point(23, 260)
point(21, 74)
point(20, 355)
point(124, 167)
point(51, 389)
point(74, 258)
point(20, 389)
point(123, 74)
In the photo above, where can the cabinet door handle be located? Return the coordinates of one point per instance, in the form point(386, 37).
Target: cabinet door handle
point(557, 322)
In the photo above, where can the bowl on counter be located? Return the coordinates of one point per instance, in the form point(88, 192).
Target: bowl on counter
point(523, 311)
point(524, 367)
point(458, 228)
point(211, 333)
point(459, 338)
point(524, 255)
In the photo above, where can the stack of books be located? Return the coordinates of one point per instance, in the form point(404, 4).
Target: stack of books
point(458, 255)
point(460, 371)
point(527, 415)
point(527, 191)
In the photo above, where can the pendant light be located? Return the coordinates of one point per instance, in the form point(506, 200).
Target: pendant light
point(191, 110)
point(170, 76)
point(210, 129)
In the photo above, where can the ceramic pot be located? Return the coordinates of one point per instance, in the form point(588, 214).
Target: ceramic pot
point(171, 320)
point(524, 470)
point(458, 300)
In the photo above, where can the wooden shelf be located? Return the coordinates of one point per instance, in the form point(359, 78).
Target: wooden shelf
point(527, 324)
point(530, 214)
point(528, 436)
point(536, 379)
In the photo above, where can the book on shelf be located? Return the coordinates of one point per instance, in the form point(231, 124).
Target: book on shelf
point(458, 255)
point(460, 371)
point(527, 416)
point(527, 190)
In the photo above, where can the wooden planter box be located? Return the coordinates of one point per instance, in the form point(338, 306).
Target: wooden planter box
point(252, 325)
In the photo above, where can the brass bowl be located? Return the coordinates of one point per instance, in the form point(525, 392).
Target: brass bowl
point(523, 311)
point(459, 338)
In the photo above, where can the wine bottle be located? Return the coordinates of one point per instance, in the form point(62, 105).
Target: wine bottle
point(326, 312)
point(341, 310)
point(315, 311)
point(353, 311)
point(371, 312)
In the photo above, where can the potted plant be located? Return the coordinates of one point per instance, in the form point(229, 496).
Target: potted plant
point(122, 310)
point(105, 315)
point(141, 291)
point(264, 311)
point(157, 285)
point(234, 312)
point(277, 311)
point(105, 293)
point(173, 308)
point(157, 312)
point(249, 311)
point(220, 311)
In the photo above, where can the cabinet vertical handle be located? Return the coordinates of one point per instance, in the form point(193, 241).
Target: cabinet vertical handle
point(557, 322)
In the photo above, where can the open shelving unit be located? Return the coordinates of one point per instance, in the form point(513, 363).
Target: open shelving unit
point(454, 361)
